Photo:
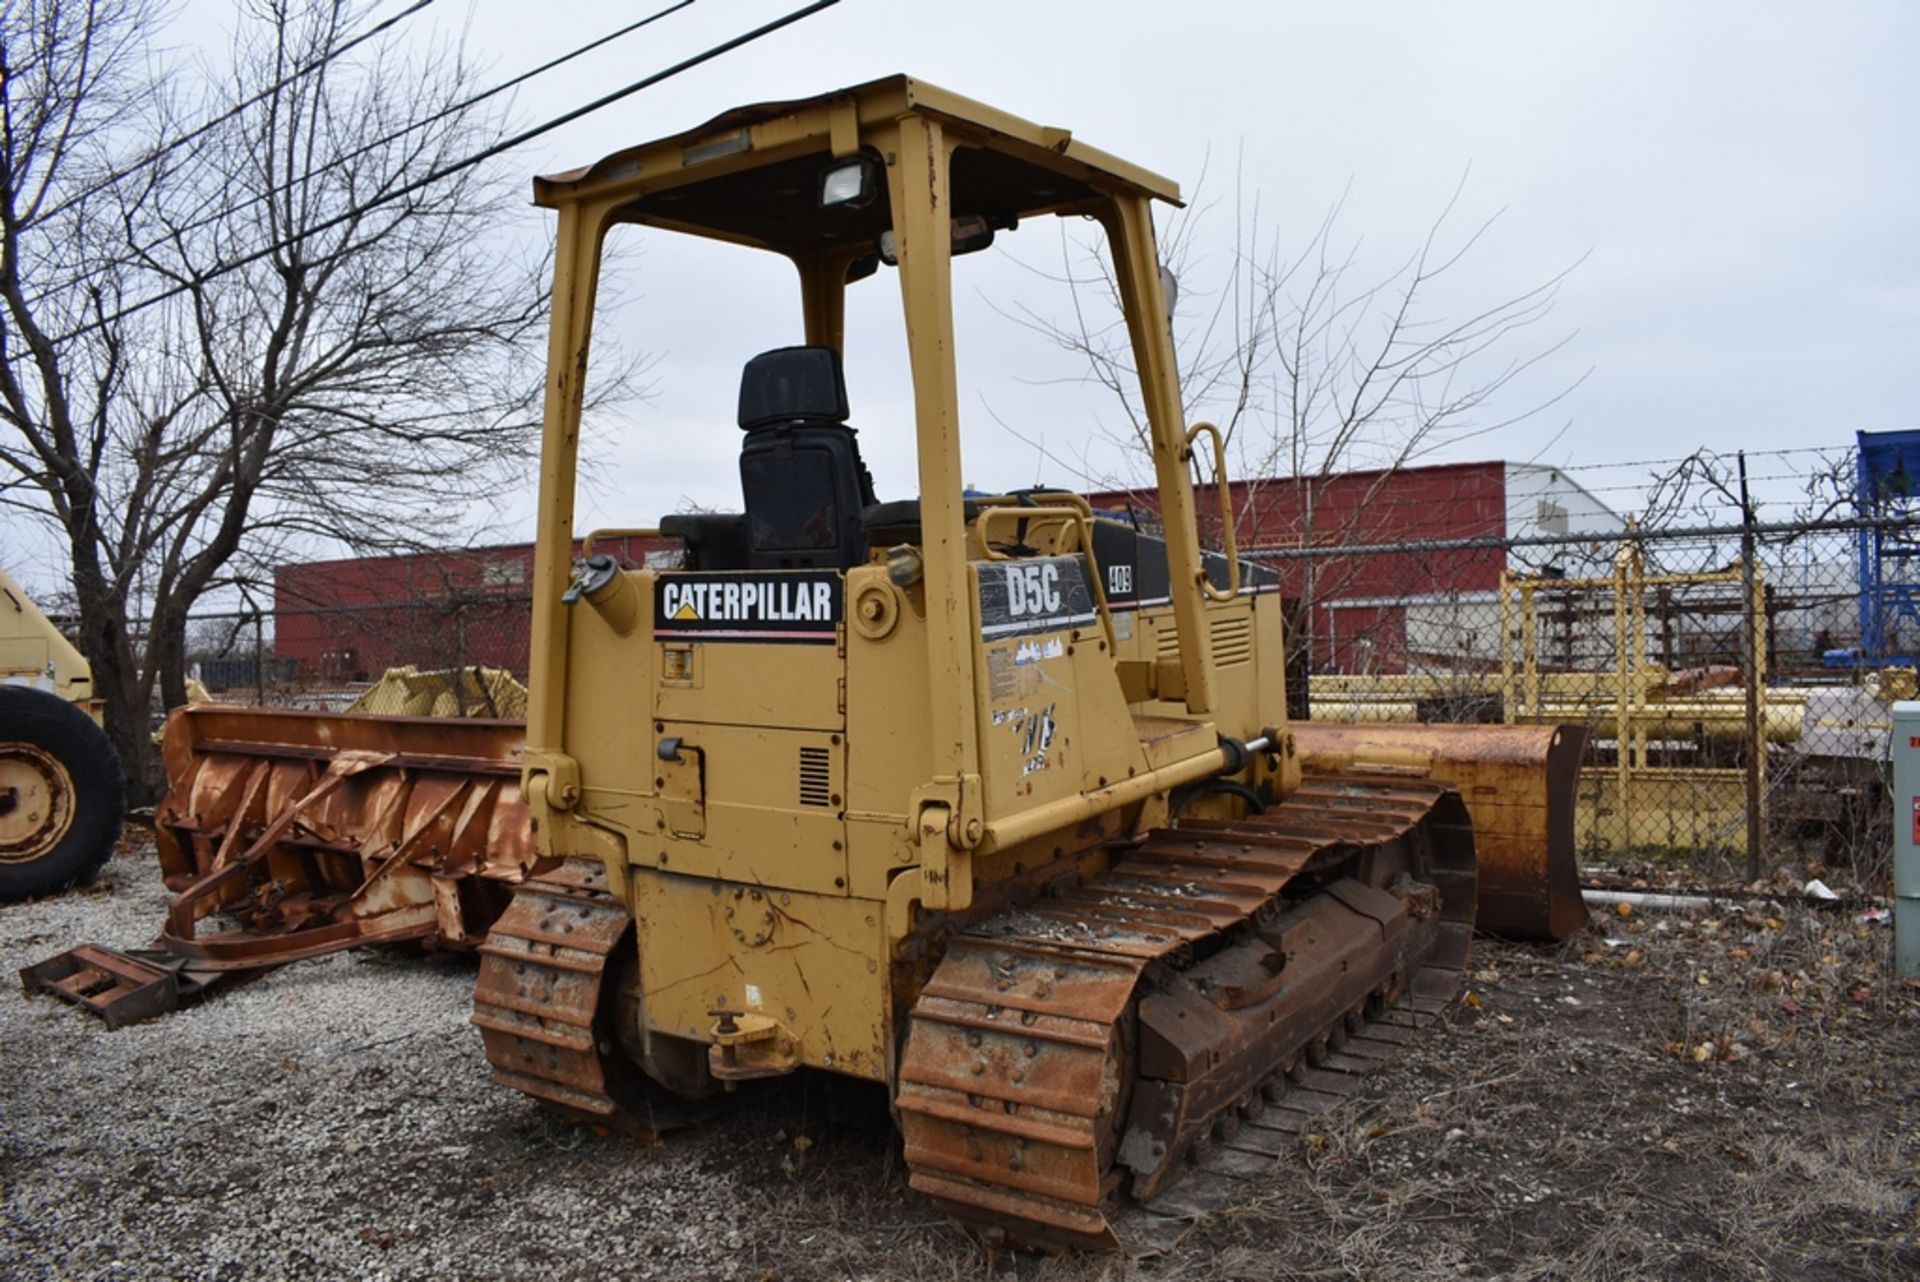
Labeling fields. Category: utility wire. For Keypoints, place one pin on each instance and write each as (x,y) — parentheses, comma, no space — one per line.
(447,170)
(121,175)
(377,143)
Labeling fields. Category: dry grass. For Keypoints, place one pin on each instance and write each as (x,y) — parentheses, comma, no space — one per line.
(1564,1123)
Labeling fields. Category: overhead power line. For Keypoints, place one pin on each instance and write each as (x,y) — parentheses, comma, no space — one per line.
(451,168)
(412,127)
(204,127)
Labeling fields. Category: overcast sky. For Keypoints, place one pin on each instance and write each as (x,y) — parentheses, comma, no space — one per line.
(1741,179)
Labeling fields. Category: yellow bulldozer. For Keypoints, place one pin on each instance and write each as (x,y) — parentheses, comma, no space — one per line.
(986,798)
(992,800)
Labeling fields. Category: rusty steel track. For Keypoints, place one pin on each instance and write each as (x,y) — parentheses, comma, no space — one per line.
(546,1004)
(537,1000)
(1101,1066)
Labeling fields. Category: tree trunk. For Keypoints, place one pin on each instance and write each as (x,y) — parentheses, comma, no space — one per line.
(105,642)
(167,655)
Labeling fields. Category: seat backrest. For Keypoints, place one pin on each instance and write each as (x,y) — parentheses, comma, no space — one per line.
(800,471)
(713,540)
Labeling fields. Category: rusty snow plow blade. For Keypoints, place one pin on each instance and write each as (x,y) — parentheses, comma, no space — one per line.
(1519,783)
(312,833)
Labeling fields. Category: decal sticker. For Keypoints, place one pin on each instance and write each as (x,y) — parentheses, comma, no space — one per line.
(1044,594)
(1033,731)
(1035,651)
(771,606)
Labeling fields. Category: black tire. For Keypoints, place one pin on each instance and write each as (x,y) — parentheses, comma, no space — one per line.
(62,796)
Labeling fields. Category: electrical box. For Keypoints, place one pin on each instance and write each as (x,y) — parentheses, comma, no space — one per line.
(1906,838)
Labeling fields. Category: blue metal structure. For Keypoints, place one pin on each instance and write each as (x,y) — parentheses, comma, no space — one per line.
(1887,490)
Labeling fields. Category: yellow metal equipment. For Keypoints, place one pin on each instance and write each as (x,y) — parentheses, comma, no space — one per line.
(1657,708)
(986,799)
(444,692)
(979,797)
(61,792)
(1637,800)
(1518,783)
(1668,767)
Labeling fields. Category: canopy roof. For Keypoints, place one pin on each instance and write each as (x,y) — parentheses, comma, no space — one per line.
(752,174)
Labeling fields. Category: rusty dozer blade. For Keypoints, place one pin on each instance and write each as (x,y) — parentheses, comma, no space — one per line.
(1520,784)
(315,833)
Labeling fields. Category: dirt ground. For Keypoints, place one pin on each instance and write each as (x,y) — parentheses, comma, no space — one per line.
(1722,1095)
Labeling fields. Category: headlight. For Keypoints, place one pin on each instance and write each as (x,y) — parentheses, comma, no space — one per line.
(850,184)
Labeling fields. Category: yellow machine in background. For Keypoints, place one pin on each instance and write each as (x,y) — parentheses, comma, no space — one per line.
(61,792)
(444,692)
(985,799)
(1639,800)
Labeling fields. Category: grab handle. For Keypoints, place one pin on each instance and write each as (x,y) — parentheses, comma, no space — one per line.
(1232,590)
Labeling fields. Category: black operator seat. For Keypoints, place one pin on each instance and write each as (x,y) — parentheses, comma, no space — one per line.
(805,487)
(714,540)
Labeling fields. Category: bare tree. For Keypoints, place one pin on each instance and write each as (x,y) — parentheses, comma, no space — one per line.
(1704,489)
(367,378)
(1308,366)
(338,354)
(1701,489)
(74,69)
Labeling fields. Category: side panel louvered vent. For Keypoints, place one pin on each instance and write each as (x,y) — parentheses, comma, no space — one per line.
(1232,640)
(816,785)
(1166,643)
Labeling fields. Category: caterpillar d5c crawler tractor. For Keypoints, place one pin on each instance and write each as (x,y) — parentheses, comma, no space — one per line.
(988,799)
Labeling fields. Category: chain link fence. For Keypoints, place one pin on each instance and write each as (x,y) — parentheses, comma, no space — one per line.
(1652,642)
(1734,682)
(460,654)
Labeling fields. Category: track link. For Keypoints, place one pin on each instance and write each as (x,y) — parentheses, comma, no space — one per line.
(538,995)
(1165,1029)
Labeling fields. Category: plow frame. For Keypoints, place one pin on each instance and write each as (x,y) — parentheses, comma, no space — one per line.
(314,833)
(319,832)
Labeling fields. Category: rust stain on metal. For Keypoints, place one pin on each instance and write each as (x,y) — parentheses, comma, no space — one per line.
(312,833)
(541,972)
(1075,1046)
(1520,785)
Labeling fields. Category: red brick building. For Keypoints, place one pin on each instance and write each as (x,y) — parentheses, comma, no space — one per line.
(352,619)
(1388,611)
(1378,612)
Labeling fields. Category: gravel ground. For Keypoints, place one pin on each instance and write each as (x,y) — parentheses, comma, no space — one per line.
(1721,1097)
(333,1119)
